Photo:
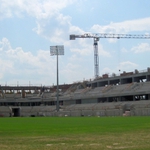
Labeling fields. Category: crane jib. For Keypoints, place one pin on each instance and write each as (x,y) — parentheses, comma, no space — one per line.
(118,36)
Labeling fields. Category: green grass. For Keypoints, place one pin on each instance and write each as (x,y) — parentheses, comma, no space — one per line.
(68,133)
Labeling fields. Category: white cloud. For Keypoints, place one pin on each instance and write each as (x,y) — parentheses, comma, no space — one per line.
(102,52)
(6,67)
(20,66)
(4,44)
(56,29)
(76,72)
(143,47)
(75,29)
(124,50)
(36,8)
(106,70)
(85,47)
(127,66)
(123,27)
(81,46)
(81,51)
(23,64)
(51,23)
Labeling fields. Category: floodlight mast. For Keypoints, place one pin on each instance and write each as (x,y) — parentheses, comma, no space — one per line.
(96,58)
(57,50)
(97,37)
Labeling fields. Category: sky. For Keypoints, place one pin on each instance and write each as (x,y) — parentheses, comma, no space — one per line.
(29,27)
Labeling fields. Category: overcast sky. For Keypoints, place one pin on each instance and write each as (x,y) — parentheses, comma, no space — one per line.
(29,27)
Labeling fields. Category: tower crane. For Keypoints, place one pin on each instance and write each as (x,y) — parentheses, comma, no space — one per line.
(97,37)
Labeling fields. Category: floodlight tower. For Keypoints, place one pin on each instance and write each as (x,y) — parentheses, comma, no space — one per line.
(96,57)
(57,50)
(97,37)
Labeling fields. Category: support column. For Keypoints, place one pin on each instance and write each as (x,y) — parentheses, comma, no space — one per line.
(96,58)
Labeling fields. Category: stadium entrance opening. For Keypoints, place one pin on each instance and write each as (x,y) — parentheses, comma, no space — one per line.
(16,112)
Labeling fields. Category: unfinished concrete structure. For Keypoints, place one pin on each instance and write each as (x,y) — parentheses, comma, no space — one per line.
(126,94)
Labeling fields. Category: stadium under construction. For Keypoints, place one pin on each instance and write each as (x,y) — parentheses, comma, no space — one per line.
(126,94)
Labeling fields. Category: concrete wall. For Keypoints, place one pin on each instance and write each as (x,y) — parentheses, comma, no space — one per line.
(140,112)
(5,111)
(85,110)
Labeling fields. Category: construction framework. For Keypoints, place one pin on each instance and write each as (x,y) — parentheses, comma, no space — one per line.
(97,37)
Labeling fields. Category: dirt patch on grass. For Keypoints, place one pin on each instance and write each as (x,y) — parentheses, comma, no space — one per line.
(3,146)
(49,144)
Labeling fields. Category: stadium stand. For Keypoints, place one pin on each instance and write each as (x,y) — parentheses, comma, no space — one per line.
(124,95)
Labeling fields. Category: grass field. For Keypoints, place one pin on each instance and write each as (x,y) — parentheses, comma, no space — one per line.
(79,133)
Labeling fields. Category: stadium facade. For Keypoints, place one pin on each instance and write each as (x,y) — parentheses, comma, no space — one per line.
(126,94)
